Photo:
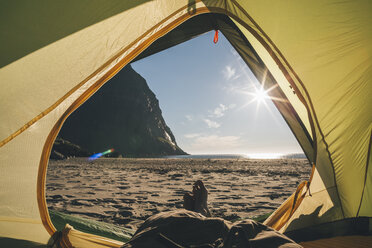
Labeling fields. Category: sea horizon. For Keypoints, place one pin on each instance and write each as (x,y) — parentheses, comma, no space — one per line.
(258,156)
(236,156)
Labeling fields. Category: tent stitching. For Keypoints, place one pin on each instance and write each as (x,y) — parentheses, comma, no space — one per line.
(365,174)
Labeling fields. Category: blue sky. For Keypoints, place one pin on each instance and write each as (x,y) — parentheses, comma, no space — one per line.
(202,89)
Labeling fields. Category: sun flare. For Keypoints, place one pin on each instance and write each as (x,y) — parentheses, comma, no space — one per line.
(260,95)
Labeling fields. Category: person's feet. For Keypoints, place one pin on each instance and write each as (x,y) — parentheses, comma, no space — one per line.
(197,201)
(188,202)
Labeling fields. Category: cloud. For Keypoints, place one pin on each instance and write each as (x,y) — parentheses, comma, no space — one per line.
(189,117)
(230,73)
(192,135)
(220,110)
(212,124)
(215,143)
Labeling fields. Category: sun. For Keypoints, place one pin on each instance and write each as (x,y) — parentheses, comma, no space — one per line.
(260,95)
(259,92)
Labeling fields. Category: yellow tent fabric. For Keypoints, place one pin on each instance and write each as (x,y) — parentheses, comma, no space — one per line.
(55,55)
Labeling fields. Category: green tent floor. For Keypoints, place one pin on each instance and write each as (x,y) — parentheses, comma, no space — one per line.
(107,230)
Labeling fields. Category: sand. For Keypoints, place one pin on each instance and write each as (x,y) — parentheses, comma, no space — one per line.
(127,191)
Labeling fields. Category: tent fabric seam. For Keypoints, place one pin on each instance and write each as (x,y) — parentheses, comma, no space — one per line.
(333,166)
(366,172)
(320,191)
(23,220)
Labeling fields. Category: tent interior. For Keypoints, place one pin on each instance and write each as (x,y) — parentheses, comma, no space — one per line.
(330,120)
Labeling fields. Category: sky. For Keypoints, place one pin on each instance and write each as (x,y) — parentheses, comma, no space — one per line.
(207,96)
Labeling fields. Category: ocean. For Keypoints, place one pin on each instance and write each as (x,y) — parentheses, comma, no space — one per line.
(237,156)
(207,156)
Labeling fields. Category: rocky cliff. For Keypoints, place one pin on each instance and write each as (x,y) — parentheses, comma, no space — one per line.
(63,149)
(125,115)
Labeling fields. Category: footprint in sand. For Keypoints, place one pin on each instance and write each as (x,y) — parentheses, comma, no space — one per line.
(123,187)
(141,197)
(78,202)
(222,197)
(125,213)
(127,200)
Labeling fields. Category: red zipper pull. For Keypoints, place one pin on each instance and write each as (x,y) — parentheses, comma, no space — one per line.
(215,39)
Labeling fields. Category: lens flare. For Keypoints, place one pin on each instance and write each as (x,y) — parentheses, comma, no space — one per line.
(98,155)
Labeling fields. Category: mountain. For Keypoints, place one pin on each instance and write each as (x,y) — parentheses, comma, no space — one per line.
(124,115)
(63,149)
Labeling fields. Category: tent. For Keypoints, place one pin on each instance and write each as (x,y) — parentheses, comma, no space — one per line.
(317,55)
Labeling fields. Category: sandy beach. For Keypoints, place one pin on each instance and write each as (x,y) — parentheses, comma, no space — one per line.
(127,191)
